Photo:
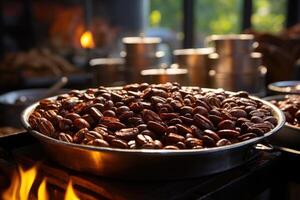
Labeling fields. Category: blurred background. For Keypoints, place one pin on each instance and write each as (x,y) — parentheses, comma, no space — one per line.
(43,40)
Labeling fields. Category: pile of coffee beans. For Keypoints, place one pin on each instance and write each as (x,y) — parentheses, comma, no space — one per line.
(143,116)
(291,109)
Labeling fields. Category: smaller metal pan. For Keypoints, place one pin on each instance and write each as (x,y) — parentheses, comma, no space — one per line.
(288,136)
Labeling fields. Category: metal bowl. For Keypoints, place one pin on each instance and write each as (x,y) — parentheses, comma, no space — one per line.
(285,87)
(9,109)
(289,135)
(146,163)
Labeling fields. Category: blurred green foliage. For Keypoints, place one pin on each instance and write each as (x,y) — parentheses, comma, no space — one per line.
(219,16)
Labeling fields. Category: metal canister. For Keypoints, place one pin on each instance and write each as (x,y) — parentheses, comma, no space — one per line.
(107,71)
(157,76)
(232,44)
(197,62)
(140,53)
(245,64)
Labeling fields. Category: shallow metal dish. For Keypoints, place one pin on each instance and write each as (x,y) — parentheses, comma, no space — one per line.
(145,163)
(285,87)
(289,135)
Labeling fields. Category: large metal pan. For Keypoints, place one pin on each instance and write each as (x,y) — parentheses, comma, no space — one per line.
(149,164)
(289,135)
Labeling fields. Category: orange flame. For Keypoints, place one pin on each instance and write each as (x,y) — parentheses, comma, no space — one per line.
(70,194)
(42,191)
(22,182)
(20,187)
(86,40)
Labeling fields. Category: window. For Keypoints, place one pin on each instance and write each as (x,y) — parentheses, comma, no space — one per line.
(268,15)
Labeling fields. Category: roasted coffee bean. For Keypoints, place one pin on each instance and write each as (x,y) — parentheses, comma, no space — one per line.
(186,109)
(168,116)
(91,135)
(119,143)
(122,109)
(247,136)
(241,121)
(45,127)
(65,137)
(208,141)
(89,119)
(156,127)
(114,126)
(109,113)
(127,133)
(186,120)
(142,127)
(223,142)
(200,110)
(182,130)
(99,143)
(256,119)
(72,116)
(149,133)
(64,124)
(95,113)
(157,144)
(202,122)
(193,142)
(238,113)
(171,147)
(215,119)
(196,132)
(175,121)
(180,145)
(126,115)
(212,134)
(149,115)
(226,124)
(143,139)
(174,138)
(81,123)
(228,133)
(79,135)
(271,119)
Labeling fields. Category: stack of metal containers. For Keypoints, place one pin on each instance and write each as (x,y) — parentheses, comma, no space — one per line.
(235,65)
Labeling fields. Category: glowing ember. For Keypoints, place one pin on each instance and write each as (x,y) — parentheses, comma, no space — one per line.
(86,40)
(42,192)
(70,194)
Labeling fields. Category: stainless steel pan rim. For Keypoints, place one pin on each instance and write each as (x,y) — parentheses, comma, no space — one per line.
(160,152)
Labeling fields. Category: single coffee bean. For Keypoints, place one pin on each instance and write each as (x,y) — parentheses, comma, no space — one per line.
(174,138)
(212,134)
(119,143)
(223,142)
(65,137)
(171,147)
(127,133)
(225,133)
(79,135)
(226,124)
(81,123)
(202,122)
(156,127)
(182,130)
(46,127)
(143,139)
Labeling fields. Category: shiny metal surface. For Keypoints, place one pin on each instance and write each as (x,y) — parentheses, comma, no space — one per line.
(107,71)
(285,87)
(145,163)
(288,136)
(140,53)
(165,75)
(197,62)
(242,64)
(232,44)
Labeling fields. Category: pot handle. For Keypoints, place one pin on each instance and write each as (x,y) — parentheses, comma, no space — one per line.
(264,147)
